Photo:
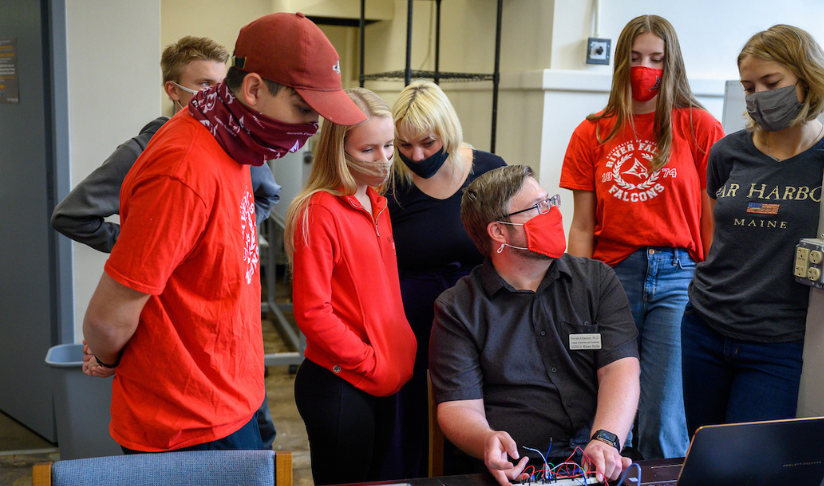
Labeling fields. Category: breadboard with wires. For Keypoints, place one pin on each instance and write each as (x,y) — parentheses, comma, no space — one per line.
(580,481)
(567,473)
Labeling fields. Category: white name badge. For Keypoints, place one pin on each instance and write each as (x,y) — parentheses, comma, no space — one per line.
(585,341)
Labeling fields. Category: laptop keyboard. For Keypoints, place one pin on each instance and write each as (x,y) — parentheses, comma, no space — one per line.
(633,482)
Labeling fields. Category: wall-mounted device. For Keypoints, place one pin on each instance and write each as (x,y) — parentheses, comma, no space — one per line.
(598,50)
(809,262)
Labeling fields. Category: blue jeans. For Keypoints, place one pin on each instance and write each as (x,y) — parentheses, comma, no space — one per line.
(265,424)
(729,381)
(247,438)
(655,280)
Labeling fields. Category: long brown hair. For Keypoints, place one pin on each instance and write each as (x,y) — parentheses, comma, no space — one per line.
(674,92)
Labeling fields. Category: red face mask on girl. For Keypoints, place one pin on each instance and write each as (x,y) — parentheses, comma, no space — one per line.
(645,82)
(544,234)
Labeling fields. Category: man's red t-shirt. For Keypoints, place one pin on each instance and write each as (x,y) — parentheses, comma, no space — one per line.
(637,206)
(193,370)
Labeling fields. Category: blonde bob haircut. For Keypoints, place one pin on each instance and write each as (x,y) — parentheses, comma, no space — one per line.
(797,51)
(421,109)
(329,170)
(673,93)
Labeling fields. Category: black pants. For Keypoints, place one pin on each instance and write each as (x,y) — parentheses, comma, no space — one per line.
(408,455)
(349,430)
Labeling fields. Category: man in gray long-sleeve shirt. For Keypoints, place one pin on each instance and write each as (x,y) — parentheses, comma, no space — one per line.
(189,65)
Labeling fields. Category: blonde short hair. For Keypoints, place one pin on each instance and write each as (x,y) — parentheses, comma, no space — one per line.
(798,51)
(487,199)
(423,108)
(177,56)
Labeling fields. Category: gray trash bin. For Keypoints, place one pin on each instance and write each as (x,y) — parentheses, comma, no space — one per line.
(81,405)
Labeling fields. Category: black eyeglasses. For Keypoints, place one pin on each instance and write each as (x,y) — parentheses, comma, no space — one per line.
(541,206)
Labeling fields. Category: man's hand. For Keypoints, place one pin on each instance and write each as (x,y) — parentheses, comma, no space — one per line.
(111,319)
(90,365)
(496,448)
(606,460)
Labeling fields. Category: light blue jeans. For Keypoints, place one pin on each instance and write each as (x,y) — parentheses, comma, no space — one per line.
(656,280)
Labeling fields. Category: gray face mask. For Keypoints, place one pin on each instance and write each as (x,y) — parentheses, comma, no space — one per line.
(774,109)
(188,90)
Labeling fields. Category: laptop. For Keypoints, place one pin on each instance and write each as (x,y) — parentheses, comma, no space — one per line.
(774,453)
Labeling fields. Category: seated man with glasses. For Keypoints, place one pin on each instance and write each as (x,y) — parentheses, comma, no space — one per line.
(535,349)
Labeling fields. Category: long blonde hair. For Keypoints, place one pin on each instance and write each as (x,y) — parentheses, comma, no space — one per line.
(798,51)
(329,170)
(423,108)
(674,92)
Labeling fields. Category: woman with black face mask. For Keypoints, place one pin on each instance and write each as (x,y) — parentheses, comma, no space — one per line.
(743,330)
(637,173)
(432,168)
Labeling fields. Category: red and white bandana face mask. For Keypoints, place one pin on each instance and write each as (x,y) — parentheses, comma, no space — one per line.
(645,82)
(248,137)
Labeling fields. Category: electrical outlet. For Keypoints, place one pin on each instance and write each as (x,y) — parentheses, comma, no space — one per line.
(809,262)
(598,51)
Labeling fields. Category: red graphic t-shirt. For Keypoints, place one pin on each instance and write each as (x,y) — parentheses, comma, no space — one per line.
(192,372)
(637,206)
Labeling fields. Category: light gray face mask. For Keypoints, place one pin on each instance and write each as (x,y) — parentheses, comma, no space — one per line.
(188,90)
(774,109)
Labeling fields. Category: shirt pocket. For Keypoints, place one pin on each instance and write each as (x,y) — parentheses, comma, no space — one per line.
(581,336)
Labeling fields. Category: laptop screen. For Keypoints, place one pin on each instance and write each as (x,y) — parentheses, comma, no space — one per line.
(780,452)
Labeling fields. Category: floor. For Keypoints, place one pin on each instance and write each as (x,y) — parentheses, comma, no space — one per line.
(21,448)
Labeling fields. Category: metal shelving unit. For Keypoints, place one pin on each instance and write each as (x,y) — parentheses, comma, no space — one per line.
(273,234)
(437,75)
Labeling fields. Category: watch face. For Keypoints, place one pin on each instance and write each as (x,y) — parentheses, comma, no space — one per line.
(608,437)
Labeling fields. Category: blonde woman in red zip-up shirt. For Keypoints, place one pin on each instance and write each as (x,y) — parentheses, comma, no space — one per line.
(360,349)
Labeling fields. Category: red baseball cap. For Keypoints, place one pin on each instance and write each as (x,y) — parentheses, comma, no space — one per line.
(291,50)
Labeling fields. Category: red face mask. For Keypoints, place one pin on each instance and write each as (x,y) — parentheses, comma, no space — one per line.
(544,234)
(645,82)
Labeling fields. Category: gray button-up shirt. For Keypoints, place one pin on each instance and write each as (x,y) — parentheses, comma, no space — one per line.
(512,348)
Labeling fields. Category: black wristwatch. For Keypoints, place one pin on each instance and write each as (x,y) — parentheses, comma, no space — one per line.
(607,438)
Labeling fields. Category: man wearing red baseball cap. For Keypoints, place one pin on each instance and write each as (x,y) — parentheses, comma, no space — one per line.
(176,315)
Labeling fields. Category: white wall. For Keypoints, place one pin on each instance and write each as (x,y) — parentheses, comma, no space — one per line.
(711,32)
(113,48)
